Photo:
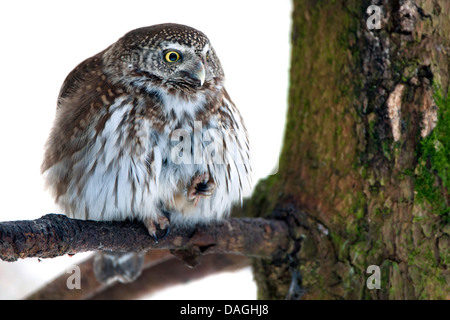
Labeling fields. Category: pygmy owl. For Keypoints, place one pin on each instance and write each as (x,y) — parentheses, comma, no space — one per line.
(146,130)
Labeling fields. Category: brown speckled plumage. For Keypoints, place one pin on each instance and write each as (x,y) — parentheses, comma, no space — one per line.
(114,152)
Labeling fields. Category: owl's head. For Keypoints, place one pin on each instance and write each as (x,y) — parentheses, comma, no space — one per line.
(172,55)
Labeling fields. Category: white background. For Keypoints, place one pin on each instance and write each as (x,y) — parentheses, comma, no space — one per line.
(42,41)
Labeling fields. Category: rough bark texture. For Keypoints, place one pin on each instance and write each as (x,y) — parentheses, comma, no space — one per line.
(365,167)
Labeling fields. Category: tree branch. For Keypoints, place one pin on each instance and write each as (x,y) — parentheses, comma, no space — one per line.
(90,286)
(55,235)
(170,273)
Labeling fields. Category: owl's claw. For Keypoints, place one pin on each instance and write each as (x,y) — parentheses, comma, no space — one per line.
(161,223)
(165,233)
(201,186)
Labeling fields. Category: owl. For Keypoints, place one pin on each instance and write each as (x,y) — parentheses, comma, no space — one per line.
(145,130)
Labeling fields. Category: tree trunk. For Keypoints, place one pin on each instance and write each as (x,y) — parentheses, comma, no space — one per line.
(365,166)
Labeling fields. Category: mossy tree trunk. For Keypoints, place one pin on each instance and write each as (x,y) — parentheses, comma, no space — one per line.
(365,166)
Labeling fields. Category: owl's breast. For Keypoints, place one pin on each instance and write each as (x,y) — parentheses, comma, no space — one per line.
(141,162)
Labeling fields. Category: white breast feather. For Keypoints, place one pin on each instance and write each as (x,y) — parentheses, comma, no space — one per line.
(106,192)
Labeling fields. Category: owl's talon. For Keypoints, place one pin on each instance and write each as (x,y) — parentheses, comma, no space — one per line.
(165,233)
(155,237)
(162,223)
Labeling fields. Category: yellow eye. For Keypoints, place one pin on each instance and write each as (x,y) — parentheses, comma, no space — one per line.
(172,56)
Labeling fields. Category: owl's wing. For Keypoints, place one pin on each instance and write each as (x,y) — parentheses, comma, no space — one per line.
(85,71)
(74,101)
(236,142)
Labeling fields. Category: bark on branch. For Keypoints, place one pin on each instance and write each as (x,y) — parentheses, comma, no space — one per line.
(55,235)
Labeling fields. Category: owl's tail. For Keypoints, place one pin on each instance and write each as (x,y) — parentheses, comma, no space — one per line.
(111,266)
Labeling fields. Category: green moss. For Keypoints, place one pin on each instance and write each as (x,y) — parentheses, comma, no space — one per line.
(432,181)
(432,185)
(396,286)
(263,199)
(312,89)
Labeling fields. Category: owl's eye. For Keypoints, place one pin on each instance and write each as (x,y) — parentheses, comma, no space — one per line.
(172,56)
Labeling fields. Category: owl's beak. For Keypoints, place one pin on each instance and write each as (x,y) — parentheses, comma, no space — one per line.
(197,73)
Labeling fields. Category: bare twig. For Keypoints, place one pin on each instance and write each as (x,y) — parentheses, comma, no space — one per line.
(55,235)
